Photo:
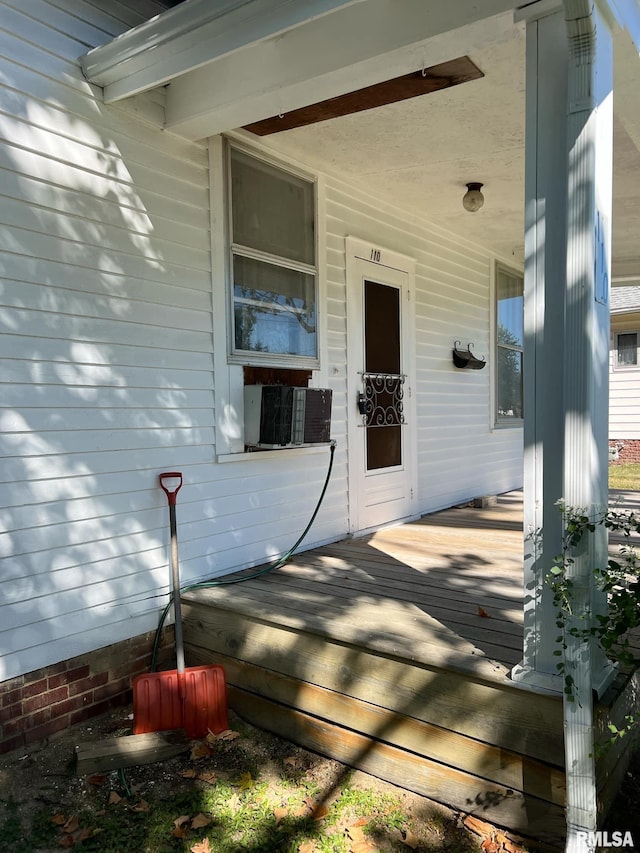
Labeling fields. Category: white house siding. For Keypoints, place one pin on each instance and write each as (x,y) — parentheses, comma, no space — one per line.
(624,386)
(106,318)
(459,454)
(105,321)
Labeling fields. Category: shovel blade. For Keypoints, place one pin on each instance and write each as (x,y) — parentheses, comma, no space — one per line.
(157,702)
(195,700)
(205,701)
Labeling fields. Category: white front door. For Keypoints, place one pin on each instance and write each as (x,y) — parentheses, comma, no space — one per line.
(382,472)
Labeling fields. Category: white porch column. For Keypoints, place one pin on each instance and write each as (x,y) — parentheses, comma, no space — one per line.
(568,214)
(586,378)
(544,289)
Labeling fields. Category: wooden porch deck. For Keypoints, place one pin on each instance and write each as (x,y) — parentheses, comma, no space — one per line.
(392,653)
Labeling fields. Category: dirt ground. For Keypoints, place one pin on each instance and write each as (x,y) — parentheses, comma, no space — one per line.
(43,780)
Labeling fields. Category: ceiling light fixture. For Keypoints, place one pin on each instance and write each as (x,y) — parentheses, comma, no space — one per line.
(473,198)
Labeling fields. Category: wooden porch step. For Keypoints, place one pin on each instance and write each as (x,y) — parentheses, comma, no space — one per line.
(480,745)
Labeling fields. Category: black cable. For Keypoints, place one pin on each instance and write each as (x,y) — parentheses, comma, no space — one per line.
(271,567)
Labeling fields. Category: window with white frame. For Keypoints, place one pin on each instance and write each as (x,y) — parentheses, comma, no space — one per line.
(509,345)
(626,354)
(273,262)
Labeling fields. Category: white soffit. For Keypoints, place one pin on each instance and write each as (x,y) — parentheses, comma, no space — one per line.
(268,40)
(189,35)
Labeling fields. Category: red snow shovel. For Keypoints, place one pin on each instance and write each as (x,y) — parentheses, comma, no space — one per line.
(193,699)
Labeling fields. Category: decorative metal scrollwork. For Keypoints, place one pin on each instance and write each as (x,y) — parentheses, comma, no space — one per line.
(383,399)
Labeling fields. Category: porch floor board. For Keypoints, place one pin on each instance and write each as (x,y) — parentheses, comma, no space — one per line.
(392,653)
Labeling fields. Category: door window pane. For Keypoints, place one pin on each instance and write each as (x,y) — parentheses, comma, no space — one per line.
(383,384)
(382,328)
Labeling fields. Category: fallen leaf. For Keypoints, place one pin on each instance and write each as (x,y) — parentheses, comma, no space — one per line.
(512,847)
(490,846)
(356,834)
(66,841)
(114,798)
(199,821)
(363,847)
(142,806)
(200,750)
(280,814)
(482,612)
(201,847)
(209,777)
(228,734)
(181,821)
(71,825)
(245,782)
(179,832)
(320,812)
(411,840)
(307,847)
(82,835)
(189,774)
(59,819)
(480,827)
(291,761)
(97,779)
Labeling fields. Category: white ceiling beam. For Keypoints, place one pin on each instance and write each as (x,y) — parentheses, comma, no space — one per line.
(354,47)
(189,35)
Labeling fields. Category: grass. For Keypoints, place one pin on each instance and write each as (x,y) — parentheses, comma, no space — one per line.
(251,793)
(227,818)
(625,476)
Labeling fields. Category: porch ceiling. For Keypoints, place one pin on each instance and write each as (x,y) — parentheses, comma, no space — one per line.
(419,154)
(416,154)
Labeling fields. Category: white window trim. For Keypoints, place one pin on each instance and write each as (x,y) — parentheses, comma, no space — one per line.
(626,367)
(228,390)
(496,422)
(246,357)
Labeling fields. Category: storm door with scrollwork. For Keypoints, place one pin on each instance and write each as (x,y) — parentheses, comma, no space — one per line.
(381,417)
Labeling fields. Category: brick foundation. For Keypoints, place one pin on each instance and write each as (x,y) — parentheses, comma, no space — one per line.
(35,706)
(628,450)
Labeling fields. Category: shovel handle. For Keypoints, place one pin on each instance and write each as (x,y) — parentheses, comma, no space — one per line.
(171,491)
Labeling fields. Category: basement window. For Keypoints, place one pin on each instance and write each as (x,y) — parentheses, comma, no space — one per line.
(274,299)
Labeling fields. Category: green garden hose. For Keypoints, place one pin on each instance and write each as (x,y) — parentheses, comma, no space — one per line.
(225,581)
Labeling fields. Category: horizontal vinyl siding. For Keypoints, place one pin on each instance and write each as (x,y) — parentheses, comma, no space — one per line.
(107,373)
(105,321)
(624,385)
(459,455)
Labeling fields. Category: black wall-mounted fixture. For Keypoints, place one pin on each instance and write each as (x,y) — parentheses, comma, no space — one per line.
(463,358)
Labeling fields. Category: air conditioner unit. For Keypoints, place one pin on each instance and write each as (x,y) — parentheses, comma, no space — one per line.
(286,416)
